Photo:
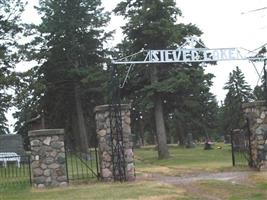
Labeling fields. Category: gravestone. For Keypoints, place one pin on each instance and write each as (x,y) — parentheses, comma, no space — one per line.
(189,141)
(11,143)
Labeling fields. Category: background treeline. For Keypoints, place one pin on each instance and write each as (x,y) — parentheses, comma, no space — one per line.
(72,73)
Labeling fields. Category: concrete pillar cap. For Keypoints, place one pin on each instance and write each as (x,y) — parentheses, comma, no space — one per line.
(103,108)
(45,132)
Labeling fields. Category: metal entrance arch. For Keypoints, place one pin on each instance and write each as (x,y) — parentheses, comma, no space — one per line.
(186,53)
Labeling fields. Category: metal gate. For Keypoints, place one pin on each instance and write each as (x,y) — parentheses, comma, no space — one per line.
(82,166)
(241,146)
(14,169)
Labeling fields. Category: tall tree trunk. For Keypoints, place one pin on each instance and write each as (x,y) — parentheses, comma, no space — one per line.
(81,121)
(163,151)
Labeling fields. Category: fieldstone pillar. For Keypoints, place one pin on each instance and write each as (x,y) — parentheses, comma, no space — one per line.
(257,115)
(103,130)
(48,158)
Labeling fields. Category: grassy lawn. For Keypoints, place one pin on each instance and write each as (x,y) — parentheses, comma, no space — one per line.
(99,191)
(182,161)
(12,174)
(255,189)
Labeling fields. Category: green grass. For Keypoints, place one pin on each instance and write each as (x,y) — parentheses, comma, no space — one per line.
(230,191)
(100,191)
(182,161)
(11,174)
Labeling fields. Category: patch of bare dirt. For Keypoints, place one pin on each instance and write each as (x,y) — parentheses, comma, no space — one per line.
(187,181)
(233,177)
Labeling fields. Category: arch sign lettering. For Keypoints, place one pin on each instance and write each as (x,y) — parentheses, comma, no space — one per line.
(187,53)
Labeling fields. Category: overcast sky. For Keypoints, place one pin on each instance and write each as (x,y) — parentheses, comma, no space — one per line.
(225,23)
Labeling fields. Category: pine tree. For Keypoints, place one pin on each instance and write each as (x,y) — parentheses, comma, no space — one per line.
(27,99)
(190,104)
(239,92)
(10,27)
(152,25)
(260,91)
(70,50)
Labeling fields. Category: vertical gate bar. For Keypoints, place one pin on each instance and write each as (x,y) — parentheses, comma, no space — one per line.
(8,171)
(14,167)
(71,160)
(97,166)
(66,161)
(5,171)
(91,163)
(12,170)
(21,176)
(81,163)
(232,148)
(76,165)
(86,167)
(17,170)
(23,166)
(249,143)
(29,167)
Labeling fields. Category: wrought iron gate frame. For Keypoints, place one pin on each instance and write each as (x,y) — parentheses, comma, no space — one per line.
(116,135)
(247,153)
(78,158)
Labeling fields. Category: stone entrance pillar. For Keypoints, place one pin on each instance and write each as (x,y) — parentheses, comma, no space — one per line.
(256,112)
(103,130)
(48,157)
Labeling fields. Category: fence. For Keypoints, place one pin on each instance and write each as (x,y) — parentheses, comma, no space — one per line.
(241,147)
(15,170)
(82,166)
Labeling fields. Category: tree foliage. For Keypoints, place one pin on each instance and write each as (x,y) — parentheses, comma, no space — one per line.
(10,28)
(69,48)
(180,89)
(239,92)
(168,100)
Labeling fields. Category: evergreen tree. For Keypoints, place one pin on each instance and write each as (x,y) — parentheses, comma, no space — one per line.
(152,24)
(190,104)
(259,92)
(239,92)
(70,51)
(10,27)
(29,90)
